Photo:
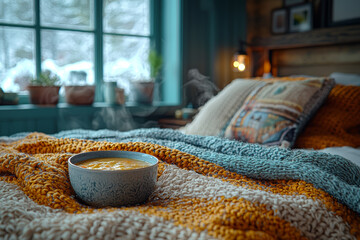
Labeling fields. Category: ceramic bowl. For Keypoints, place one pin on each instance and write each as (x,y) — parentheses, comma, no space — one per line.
(101,188)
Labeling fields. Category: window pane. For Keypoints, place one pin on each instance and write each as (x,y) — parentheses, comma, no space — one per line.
(127,16)
(70,55)
(76,14)
(17,61)
(17,11)
(125,59)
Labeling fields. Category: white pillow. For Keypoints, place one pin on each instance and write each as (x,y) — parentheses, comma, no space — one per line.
(217,112)
(346,78)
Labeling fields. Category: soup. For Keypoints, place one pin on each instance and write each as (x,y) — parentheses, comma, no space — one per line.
(113,163)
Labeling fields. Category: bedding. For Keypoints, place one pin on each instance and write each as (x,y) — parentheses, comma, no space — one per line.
(352,154)
(208,188)
(346,78)
(214,115)
(336,123)
(276,112)
(331,117)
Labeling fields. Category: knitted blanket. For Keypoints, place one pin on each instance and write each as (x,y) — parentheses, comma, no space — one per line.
(207,188)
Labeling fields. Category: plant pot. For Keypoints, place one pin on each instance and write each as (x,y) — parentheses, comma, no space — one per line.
(7,98)
(44,95)
(143,92)
(80,95)
(120,96)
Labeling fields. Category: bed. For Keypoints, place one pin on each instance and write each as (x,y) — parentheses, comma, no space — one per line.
(217,179)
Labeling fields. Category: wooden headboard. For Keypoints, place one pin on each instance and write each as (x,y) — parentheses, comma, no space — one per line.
(317,61)
(319,52)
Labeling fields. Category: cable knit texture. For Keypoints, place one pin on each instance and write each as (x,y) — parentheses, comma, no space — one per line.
(207,188)
(337,122)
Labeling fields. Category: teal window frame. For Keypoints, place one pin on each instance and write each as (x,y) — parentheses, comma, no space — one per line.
(156,12)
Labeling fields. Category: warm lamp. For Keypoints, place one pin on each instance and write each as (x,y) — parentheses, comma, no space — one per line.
(241,59)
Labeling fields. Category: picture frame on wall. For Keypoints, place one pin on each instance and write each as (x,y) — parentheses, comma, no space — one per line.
(343,12)
(279,20)
(288,3)
(301,18)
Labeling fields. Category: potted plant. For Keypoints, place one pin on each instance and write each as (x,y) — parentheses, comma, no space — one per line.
(44,90)
(143,90)
(78,92)
(8,98)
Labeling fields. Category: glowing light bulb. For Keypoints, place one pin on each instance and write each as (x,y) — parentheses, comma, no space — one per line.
(241,67)
(240,62)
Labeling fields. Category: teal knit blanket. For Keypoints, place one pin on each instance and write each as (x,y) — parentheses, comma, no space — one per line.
(334,174)
(331,173)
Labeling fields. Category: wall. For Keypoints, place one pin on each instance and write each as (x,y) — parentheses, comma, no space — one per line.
(317,52)
(259,17)
(211,32)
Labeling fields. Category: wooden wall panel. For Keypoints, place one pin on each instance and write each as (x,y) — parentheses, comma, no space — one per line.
(259,17)
(319,61)
(320,71)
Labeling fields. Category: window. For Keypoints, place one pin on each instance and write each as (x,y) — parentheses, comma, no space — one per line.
(82,41)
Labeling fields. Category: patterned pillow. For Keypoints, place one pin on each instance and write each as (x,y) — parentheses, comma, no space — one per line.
(276,111)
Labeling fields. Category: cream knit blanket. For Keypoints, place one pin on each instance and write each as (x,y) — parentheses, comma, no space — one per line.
(194,198)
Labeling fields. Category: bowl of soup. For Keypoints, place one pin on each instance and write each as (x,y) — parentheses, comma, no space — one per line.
(113,178)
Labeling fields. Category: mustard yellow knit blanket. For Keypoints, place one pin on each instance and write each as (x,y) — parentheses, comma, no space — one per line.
(194,199)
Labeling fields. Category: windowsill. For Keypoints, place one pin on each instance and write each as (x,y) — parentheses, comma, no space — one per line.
(94,105)
(59,106)
(157,109)
(63,116)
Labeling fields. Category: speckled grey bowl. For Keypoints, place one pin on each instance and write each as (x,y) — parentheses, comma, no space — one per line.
(101,188)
